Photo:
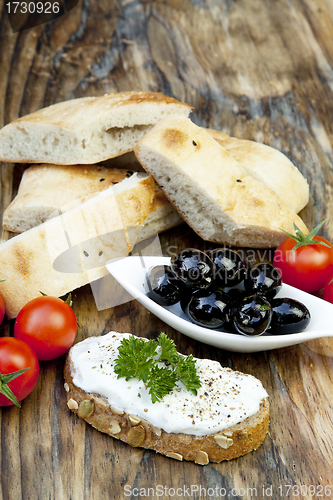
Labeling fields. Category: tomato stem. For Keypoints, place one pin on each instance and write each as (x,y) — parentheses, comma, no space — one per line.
(69,300)
(5,390)
(301,239)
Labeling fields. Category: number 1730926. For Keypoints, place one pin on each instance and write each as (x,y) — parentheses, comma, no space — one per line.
(33,7)
(295,490)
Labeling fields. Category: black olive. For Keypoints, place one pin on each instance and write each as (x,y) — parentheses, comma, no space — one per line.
(288,316)
(194,268)
(235,295)
(229,267)
(186,296)
(252,315)
(164,286)
(264,279)
(208,308)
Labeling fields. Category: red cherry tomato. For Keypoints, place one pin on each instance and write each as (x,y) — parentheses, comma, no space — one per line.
(48,325)
(2,309)
(307,267)
(16,355)
(328,290)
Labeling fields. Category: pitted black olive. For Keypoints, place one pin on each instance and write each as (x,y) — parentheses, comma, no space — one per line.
(288,316)
(208,308)
(229,267)
(264,279)
(194,268)
(164,286)
(252,315)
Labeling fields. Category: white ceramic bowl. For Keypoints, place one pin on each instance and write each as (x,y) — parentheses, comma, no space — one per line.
(130,272)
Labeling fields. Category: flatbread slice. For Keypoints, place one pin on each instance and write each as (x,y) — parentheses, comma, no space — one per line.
(48,190)
(71,250)
(268,166)
(86,130)
(210,188)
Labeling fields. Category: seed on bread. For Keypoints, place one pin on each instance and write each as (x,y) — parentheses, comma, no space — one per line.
(116,411)
(223,441)
(86,408)
(134,420)
(156,430)
(176,456)
(114,427)
(201,458)
(72,404)
(136,436)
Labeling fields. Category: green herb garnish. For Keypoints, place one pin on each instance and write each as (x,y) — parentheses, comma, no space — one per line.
(159,369)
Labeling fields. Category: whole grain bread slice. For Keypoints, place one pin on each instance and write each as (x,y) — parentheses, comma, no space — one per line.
(70,250)
(211,190)
(231,442)
(86,130)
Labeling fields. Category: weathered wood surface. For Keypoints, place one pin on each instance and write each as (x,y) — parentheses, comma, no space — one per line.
(257,69)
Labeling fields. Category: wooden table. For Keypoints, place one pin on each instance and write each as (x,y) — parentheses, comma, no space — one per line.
(256,69)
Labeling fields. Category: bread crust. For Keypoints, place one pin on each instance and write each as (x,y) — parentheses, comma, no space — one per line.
(109,224)
(235,441)
(49,190)
(211,190)
(270,167)
(86,130)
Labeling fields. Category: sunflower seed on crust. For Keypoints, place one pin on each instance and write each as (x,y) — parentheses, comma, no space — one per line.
(201,458)
(223,441)
(114,427)
(176,456)
(134,420)
(72,404)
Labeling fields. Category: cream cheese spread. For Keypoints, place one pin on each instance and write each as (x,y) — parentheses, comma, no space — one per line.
(225,398)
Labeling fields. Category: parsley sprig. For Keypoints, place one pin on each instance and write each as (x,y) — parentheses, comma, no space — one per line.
(157,363)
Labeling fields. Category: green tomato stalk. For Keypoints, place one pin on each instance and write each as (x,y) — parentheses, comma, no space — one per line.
(301,239)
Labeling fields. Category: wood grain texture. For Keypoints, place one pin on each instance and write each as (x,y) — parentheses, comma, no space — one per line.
(255,69)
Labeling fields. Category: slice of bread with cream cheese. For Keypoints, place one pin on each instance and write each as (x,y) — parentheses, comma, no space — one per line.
(227,418)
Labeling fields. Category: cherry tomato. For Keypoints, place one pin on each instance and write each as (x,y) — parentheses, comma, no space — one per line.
(48,325)
(16,355)
(2,309)
(328,290)
(308,266)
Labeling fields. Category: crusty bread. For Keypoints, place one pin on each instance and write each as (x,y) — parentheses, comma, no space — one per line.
(268,166)
(162,216)
(47,190)
(86,130)
(244,435)
(211,190)
(70,250)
